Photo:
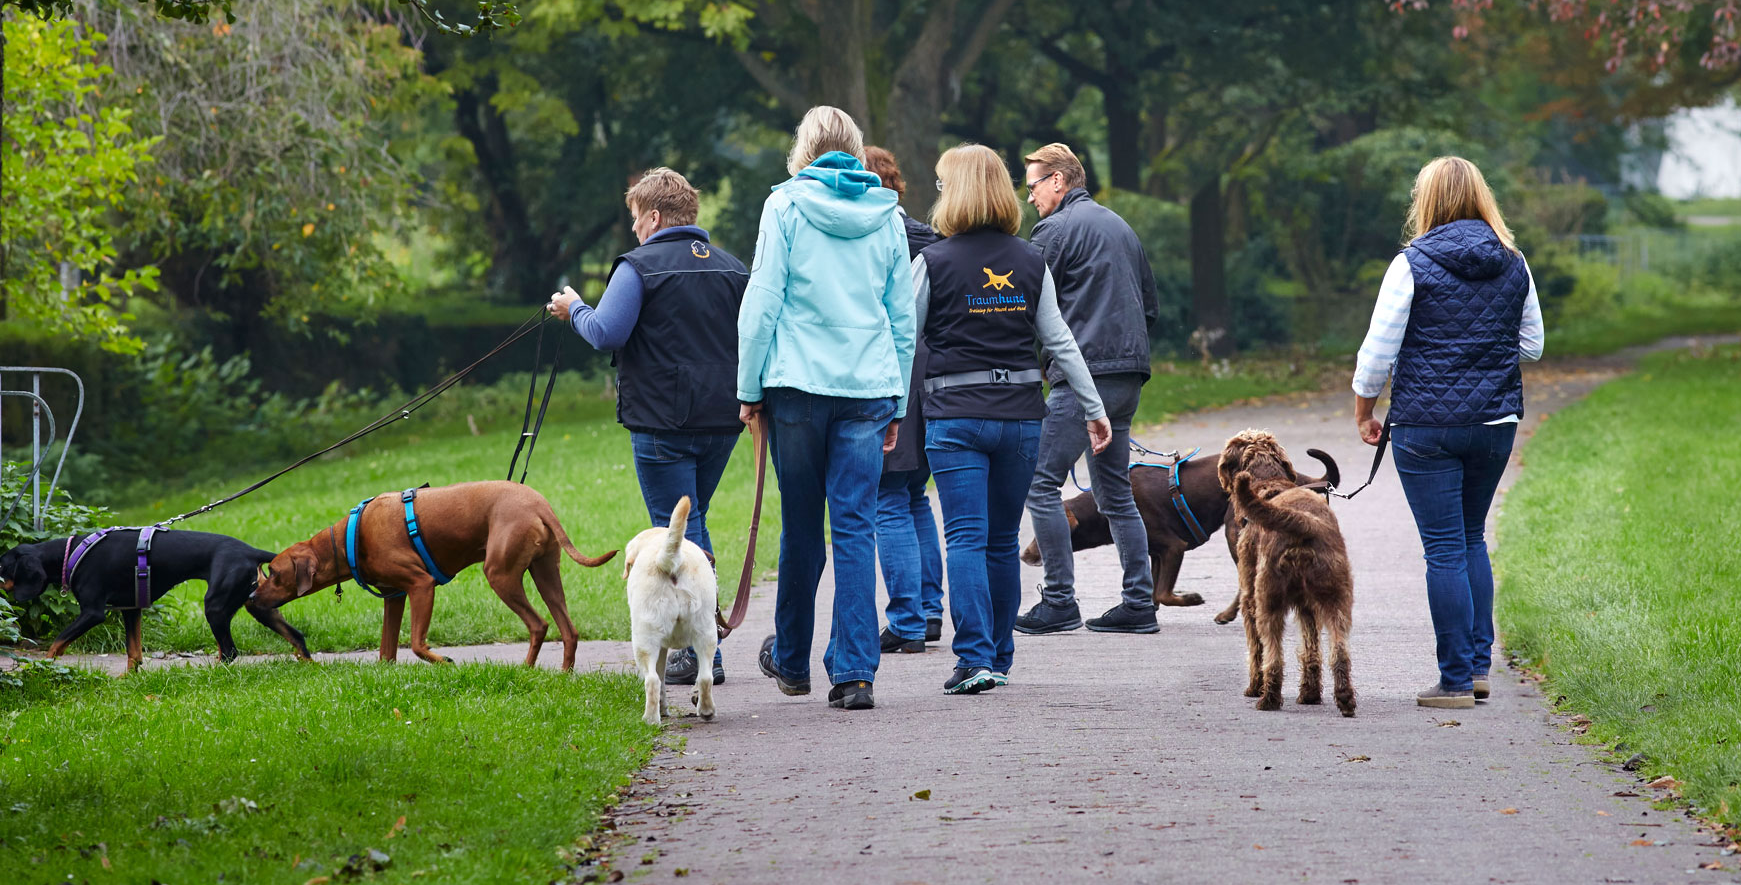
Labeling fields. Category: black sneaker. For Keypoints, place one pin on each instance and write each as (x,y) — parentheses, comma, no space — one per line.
(855,695)
(1045,617)
(969,680)
(765,660)
(680,669)
(893,643)
(1123,618)
(933,629)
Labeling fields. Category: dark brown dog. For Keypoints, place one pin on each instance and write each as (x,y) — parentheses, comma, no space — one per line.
(1169,536)
(1291,557)
(507,526)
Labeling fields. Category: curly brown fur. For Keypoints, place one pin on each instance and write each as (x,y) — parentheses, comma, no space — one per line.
(1291,557)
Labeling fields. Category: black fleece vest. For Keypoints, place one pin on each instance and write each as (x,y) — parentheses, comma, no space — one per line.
(985,293)
(678,370)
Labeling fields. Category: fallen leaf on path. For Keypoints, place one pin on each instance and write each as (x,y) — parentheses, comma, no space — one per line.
(1643,843)
(1507,811)
(1347,758)
(1666,782)
(1713,865)
(1603,813)
(922,794)
(1258,847)
(1448,723)
(1626,794)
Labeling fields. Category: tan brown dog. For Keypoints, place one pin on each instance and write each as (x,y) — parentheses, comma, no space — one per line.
(1291,557)
(1169,537)
(508,527)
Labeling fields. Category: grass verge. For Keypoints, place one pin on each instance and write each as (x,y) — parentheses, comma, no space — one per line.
(283,772)
(1177,387)
(1641,324)
(1619,570)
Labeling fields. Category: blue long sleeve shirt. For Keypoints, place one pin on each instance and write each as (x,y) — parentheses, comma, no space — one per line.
(608,326)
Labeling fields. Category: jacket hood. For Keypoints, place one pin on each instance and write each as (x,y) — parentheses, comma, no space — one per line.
(840,198)
(1468,248)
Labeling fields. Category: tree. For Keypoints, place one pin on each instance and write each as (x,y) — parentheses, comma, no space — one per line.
(1660,34)
(65,164)
(492,15)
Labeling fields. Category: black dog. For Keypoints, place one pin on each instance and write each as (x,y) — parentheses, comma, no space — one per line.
(104,578)
(1169,536)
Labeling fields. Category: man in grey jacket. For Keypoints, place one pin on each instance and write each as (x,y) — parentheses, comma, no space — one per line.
(1106,291)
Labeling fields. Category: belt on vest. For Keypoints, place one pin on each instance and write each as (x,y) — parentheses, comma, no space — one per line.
(983,376)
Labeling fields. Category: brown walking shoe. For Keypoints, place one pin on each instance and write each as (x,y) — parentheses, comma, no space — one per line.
(1445,699)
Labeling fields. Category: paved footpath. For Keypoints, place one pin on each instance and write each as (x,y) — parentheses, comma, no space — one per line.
(1136,758)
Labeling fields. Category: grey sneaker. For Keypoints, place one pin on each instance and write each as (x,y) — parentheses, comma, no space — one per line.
(1123,618)
(1445,699)
(1483,688)
(1045,617)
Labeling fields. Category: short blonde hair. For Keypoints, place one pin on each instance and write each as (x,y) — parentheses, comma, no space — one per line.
(1058,157)
(1452,189)
(667,191)
(976,192)
(880,161)
(823,129)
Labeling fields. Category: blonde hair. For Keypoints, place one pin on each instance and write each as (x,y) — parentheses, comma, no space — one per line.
(1452,189)
(823,129)
(667,191)
(1058,157)
(976,192)
(880,161)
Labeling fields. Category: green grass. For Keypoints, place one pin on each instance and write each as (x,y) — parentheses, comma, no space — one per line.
(1641,324)
(1185,387)
(1619,572)
(583,465)
(281,772)
(1710,206)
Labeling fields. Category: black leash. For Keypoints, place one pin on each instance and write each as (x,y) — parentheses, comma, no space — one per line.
(1377,459)
(403,412)
(529,440)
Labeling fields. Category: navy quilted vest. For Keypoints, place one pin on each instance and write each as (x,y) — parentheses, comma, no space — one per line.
(1459,358)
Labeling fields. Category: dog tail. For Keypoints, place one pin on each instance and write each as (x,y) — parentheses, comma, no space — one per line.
(670,553)
(1332,473)
(1277,519)
(555,526)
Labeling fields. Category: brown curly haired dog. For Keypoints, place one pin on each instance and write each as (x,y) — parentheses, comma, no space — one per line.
(1291,556)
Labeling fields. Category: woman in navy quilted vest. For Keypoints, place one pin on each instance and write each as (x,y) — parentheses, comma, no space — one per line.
(982,298)
(1456,314)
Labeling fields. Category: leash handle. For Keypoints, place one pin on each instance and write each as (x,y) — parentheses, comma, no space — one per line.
(1377,459)
(740,606)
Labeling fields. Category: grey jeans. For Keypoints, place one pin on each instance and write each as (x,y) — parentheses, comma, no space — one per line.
(1063,439)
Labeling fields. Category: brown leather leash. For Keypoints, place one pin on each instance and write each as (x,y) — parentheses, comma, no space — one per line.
(741,605)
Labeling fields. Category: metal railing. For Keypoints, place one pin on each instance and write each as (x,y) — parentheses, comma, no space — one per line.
(39,447)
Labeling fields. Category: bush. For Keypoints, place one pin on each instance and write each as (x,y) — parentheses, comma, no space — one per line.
(1653,210)
(60,517)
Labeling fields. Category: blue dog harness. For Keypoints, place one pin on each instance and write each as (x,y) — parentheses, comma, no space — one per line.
(1198,535)
(408,497)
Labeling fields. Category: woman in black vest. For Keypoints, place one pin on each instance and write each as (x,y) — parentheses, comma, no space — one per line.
(983,298)
(1456,313)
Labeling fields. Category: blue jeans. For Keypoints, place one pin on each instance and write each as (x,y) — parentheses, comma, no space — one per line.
(827,451)
(1449,475)
(907,546)
(983,467)
(672,466)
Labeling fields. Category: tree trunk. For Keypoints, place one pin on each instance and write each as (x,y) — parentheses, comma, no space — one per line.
(516,261)
(915,109)
(1209,305)
(1124,151)
(840,64)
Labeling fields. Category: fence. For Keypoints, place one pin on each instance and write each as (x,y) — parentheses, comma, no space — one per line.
(39,447)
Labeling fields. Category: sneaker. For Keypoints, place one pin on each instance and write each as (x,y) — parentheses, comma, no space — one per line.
(1045,617)
(1124,618)
(1483,688)
(933,629)
(968,680)
(894,643)
(998,679)
(765,660)
(681,668)
(1445,699)
(855,695)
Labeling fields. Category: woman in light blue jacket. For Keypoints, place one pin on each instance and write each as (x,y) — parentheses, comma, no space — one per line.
(825,346)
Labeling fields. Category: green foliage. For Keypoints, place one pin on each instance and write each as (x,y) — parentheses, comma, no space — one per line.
(492,15)
(61,516)
(66,162)
(31,680)
(280,773)
(1618,569)
(1653,210)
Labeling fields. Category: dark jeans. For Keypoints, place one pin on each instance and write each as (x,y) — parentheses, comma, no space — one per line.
(1449,475)
(672,466)
(1063,439)
(983,466)
(827,451)
(907,547)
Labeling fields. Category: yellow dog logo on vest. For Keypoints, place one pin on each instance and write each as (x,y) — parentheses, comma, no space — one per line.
(995,281)
(699,249)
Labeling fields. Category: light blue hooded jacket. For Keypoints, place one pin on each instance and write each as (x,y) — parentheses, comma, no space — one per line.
(829,309)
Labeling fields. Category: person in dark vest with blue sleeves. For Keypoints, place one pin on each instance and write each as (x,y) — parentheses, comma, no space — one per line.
(670,314)
(982,299)
(1456,314)
(907,545)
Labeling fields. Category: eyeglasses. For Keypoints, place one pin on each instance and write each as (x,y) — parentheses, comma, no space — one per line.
(939,184)
(1040,179)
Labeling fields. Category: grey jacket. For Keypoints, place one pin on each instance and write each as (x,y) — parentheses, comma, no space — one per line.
(1106,289)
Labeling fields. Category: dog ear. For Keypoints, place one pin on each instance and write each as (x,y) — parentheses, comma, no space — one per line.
(304,565)
(1231,458)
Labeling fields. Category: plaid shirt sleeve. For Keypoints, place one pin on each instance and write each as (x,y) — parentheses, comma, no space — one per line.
(1390,319)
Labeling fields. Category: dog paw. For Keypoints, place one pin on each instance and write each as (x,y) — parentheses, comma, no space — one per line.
(1224,619)
(1309,699)
(1253,692)
(1269,704)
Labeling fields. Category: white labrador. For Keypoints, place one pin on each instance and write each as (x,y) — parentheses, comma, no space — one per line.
(673,594)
